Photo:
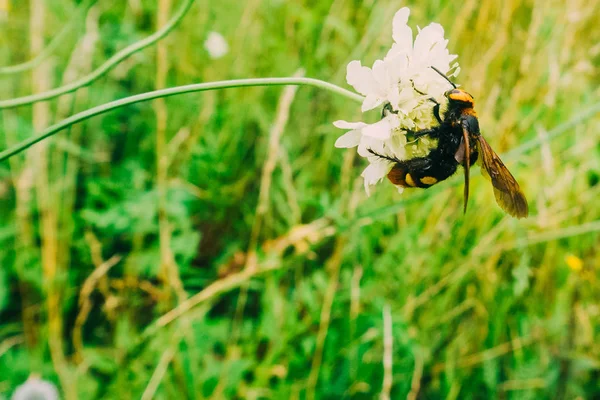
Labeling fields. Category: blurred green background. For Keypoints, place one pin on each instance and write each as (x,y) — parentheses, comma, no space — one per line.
(234,209)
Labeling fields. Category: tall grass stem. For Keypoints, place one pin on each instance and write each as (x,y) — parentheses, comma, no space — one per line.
(104,68)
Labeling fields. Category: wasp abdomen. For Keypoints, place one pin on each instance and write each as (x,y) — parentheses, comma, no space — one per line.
(421,172)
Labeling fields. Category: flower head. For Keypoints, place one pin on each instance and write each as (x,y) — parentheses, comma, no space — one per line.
(35,389)
(216,45)
(404,81)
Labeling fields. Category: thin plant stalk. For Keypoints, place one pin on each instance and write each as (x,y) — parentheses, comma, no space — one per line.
(66,165)
(199,87)
(41,78)
(25,246)
(168,266)
(282,116)
(54,44)
(333,266)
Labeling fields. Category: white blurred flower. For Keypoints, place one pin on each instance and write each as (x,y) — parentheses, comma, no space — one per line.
(397,80)
(216,45)
(35,389)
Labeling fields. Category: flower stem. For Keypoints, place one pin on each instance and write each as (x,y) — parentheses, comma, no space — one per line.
(104,68)
(200,87)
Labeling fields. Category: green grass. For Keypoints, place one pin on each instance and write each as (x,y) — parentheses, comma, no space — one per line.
(138,257)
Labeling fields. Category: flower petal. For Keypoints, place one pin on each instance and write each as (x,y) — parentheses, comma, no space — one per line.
(430,48)
(432,34)
(401,32)
(381,130)
(368,144)
(397,146)
(381,76)
(374,173)
(361,78)
(371,101)
(350,139)
(349,125)
(397,64)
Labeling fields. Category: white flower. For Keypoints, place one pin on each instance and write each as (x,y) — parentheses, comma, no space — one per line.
(381,137)
(35,389)
(405,81)
(216,45)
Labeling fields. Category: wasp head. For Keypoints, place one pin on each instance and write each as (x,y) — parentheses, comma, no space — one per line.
(460,98)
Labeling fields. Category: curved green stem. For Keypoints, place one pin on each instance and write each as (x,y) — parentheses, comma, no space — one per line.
(53,45)
(200,87)
(82,116)
(104,68)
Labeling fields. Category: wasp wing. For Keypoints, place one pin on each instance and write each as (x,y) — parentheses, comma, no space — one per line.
(463,156)
(506,189)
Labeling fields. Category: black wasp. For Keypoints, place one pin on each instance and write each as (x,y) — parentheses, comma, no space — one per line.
(459,142)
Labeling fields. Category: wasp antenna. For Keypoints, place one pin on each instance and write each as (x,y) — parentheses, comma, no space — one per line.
(383,156)
(443,75)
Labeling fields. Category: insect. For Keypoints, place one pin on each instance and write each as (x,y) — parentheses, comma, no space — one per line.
(459,143)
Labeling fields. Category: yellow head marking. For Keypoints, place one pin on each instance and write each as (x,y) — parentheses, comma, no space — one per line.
(460,95)
(428,180)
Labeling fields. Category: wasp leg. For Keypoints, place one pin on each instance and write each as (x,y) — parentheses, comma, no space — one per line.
(431,132)
(436,111)
(436,108)
(387,110)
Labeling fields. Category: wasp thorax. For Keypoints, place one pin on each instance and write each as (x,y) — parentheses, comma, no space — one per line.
(460,96)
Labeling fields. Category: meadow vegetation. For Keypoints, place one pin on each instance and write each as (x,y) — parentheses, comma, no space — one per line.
(217,244)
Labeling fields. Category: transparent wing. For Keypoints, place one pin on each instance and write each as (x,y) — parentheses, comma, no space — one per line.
(506,189)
